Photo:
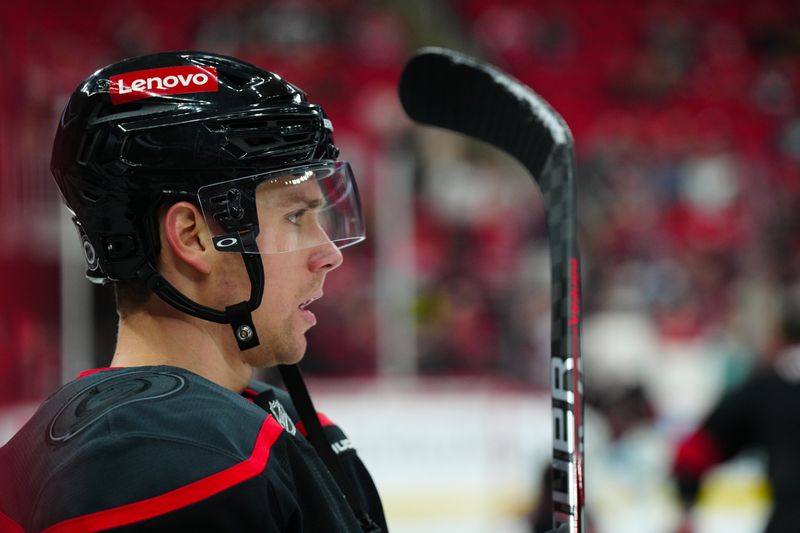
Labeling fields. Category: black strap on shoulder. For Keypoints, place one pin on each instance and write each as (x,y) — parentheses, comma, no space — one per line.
(296,387)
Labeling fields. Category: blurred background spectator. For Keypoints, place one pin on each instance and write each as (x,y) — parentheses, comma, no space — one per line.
(687,123)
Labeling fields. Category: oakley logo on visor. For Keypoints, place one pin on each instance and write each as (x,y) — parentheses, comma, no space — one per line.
(162,81)
(228,243)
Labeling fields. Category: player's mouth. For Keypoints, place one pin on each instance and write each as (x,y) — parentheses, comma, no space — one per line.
(307,315)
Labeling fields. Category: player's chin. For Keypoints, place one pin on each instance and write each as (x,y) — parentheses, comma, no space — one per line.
(277,352)
(295,352)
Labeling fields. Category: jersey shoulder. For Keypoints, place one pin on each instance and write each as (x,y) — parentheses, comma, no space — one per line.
(119,438)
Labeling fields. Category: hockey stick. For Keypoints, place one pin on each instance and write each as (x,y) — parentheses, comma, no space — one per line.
(449,90)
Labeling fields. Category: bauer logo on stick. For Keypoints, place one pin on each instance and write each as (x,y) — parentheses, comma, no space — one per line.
(162,81)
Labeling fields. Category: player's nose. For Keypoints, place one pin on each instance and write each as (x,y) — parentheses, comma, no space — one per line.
(325,257)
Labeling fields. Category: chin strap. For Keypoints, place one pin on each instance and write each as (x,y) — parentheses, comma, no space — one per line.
(239,316)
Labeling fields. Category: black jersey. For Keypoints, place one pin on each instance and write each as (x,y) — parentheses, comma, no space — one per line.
(759,415)
(162,449)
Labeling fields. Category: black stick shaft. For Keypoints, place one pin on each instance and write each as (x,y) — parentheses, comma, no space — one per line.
(566,369)
(449,90)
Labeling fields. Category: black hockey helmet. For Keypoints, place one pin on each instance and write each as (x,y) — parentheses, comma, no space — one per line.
(200,127)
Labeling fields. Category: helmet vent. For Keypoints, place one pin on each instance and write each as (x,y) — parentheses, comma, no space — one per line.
(121,109)
(228,71)
(87,146)
(282,125)
(258,136)
(259,145)
(232,79)
(88,196)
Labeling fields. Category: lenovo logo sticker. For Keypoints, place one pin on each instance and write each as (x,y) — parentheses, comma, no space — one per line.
(162,81)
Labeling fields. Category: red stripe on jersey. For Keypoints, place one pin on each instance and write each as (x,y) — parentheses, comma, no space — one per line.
(183,496)
(9,526)
(96,370)
(248,394)
(324,420)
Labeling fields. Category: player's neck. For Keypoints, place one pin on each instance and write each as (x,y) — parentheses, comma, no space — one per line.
(173,339)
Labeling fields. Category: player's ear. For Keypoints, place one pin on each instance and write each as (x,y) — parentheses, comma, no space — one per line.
(185,232)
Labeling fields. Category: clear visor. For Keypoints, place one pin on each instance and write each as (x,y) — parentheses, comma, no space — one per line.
(286,210)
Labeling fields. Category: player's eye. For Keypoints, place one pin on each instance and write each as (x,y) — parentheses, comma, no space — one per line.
(296,216)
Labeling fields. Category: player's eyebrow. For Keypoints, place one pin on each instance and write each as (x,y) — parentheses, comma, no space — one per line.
(298,198)
(313,204)
(286,191)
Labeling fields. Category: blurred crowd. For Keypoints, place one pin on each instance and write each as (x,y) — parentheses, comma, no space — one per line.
(686,117)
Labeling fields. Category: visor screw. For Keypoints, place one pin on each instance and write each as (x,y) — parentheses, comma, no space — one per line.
(244,333)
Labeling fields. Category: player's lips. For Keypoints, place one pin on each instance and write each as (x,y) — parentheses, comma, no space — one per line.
(312,298)
(308,315)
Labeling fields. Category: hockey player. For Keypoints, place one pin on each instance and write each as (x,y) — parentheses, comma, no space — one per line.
(758,415)
(209,191)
